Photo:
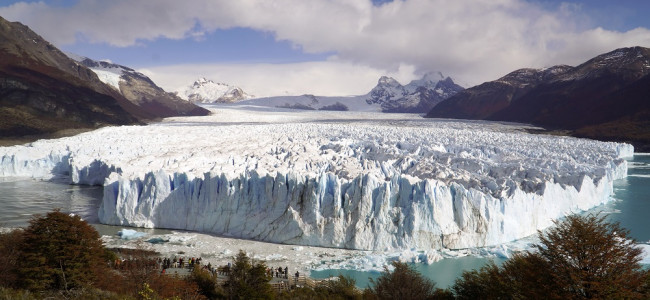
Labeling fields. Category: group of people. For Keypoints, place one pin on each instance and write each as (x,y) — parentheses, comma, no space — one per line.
(166,263)
(180,262)
(280,273)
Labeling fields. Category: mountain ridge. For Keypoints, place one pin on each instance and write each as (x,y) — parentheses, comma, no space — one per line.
(579,99)
(390,96)
(140,89)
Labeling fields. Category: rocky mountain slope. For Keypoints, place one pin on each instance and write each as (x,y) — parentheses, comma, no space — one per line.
(604,98)
(207,91)
(484,100)
(141,90)
(419,96)
(43,91)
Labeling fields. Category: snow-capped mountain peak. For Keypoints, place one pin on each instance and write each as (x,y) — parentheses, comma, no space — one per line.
(204,81)
(387,89)
(204,90)
(428,80)
(417,96)
(388,81)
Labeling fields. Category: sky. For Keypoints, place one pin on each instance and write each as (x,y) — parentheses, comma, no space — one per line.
(333,47)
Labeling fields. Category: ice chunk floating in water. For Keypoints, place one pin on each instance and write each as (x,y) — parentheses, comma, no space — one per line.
(348,180)
(130,234)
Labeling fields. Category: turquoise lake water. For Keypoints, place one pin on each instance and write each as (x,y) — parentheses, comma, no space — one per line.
(632,208)
(20,199)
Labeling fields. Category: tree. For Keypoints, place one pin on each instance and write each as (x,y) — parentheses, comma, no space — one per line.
(403,283)
(590,258)
(517,278)
(581,257)
(60,252)
(485,283)
(248,280)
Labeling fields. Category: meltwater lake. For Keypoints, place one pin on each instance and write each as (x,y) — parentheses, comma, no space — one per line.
(20,198)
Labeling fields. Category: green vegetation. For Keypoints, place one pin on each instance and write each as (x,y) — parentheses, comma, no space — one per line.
(61,256)
(207,284)
(248,280)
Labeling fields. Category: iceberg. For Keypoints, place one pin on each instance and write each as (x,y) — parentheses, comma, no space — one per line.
(130,234)
(346,180)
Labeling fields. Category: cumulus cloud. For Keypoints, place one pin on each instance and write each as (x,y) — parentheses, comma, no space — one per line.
(474,41)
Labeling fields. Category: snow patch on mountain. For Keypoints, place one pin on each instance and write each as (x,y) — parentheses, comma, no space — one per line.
(111,77)
(207,91)
(334,179)
(108,72)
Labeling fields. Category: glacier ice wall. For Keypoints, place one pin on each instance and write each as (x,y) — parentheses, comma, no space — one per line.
(355,183)
(363,213)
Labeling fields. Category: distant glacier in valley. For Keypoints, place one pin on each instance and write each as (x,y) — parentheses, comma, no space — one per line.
(355,180)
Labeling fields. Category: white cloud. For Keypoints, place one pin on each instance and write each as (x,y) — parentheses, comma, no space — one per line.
(329,78)
(473,41)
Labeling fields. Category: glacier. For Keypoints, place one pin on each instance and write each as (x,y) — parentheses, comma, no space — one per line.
(354,180)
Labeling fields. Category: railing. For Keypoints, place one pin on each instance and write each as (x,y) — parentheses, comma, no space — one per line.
(303,281)
(280,286)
